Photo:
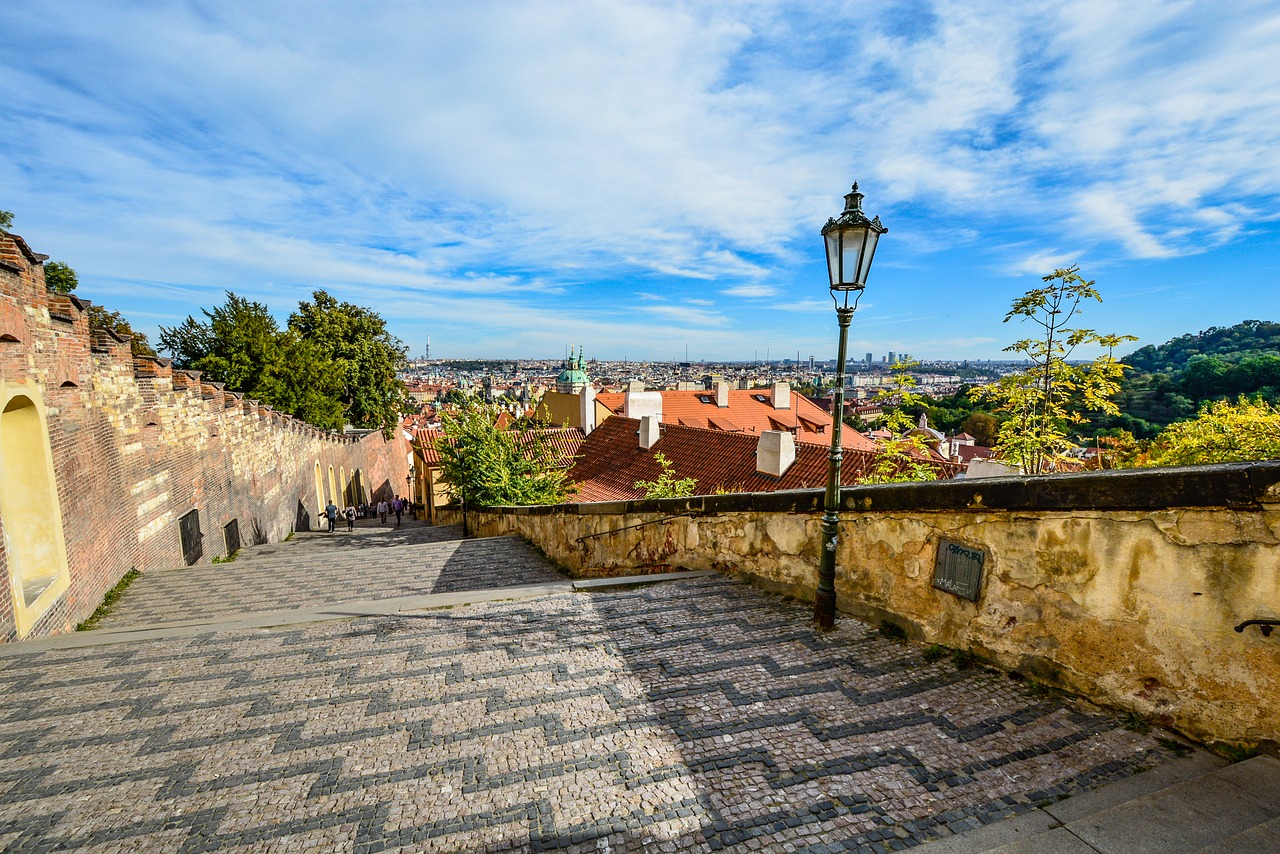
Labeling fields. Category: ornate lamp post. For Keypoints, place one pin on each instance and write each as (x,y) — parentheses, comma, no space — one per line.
(851,244)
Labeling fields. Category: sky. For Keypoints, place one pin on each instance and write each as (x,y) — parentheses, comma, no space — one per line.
(649,179)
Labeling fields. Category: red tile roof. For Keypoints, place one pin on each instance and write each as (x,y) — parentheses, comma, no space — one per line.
(610,462)
(563,442)
(749,411)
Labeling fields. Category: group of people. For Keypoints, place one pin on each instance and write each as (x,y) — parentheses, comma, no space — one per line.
(365,510)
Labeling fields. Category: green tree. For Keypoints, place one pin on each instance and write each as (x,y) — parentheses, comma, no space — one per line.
(905,457)
(667,485)
(984,429)
(1224,432)
(1041,404)
(59,277)
(239,344)
(486,466)
(100,318)
(6,220)
(366,357)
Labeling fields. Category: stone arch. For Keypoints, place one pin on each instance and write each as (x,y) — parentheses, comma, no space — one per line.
(35,547)
(343,488)
(357,485)
(333,485)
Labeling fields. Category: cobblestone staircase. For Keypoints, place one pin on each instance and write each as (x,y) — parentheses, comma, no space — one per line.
(1197,804)
(312,568)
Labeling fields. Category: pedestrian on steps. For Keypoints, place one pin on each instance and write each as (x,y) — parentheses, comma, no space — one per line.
(331,513)
(351,517)
(399,508)
(382,509)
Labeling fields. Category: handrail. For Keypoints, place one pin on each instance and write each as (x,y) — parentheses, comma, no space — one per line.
(585,537)
(1266,626)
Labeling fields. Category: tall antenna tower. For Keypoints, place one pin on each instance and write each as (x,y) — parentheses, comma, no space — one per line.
(427,355)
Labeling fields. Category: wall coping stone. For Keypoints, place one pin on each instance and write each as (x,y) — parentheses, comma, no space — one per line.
(1233,485)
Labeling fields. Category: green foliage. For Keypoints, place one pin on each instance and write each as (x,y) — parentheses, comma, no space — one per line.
(667,485)
(963,659)
(101,318)
(1250,338)
(1041,404)
(59,277)
(6,220)
(905,457)
(109,601)
(334,362)
(226,558)
(486,466)
(1235,752)
(366,357)
(934,652)
(984,429)
(1224,432)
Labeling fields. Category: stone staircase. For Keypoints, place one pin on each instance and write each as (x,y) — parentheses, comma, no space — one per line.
(1197,803)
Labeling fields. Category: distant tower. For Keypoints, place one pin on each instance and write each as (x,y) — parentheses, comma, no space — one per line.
(428,353)
(573,377)
(892,357)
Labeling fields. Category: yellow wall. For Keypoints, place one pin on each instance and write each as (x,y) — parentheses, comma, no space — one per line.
(34,542)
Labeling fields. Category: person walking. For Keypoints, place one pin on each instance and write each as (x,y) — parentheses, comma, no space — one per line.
(382,509)
(331,513)
(351,517)
(399,508)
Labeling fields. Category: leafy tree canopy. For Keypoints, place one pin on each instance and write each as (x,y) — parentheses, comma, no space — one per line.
(6,220)
(905,457)
(486,466)
(1223,432)
(366,357)
(59,277)
(1041,404)
(1231,343)
(101,318)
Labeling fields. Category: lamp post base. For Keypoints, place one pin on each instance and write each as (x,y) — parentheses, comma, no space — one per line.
(824,610)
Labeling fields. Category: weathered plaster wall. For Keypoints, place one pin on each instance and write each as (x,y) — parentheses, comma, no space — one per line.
(135,446)
(1121,586)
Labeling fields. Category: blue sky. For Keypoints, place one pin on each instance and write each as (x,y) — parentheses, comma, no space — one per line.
(512,177)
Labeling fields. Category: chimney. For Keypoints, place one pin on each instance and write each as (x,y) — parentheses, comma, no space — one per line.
(638,404)
(782,395)
(722,394)
(775,452)
(587,409)
(635,385)
(649,432)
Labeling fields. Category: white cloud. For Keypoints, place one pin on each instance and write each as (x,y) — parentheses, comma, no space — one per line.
(751,291)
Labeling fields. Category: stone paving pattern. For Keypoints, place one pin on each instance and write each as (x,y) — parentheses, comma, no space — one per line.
(698,715)
(373,562)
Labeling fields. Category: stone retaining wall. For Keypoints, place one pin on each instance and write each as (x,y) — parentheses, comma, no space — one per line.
(1122,586)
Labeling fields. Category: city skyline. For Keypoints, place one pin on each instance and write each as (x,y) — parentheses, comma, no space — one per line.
(640,179)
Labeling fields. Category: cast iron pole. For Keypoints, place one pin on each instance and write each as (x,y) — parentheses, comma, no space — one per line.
(824,601)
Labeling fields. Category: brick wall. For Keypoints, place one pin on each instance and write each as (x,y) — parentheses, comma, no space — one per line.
(136,445)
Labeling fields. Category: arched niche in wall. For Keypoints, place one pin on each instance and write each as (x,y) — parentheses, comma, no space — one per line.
(35,546)
(319,491)
(333,486)
(344,488)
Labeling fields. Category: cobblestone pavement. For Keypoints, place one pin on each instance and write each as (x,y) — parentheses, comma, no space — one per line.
(697,715)
(373,562)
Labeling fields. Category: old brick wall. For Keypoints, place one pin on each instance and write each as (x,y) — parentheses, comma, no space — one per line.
(1125,587)
(137,445)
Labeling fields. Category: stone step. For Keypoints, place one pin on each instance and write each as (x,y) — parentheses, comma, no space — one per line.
(1193,804)
(1188,816)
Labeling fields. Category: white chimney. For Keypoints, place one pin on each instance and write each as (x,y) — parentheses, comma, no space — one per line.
(775,452)
(782,395)
(587,409)
(722,394)
(638,404)
(649,431)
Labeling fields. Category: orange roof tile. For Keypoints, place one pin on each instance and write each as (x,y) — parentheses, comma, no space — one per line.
(750,411)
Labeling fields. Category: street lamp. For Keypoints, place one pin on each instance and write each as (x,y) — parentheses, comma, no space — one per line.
(851,244)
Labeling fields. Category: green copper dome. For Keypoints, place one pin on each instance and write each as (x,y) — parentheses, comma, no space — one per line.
(573,378)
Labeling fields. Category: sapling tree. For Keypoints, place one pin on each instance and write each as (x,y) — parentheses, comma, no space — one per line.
(905,456)
(667,485)
(1041,403)
(484,465)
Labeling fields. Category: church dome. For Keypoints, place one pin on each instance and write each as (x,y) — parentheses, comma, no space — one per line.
(573,378)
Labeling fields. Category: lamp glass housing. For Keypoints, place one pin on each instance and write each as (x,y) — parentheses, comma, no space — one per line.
(851,244)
